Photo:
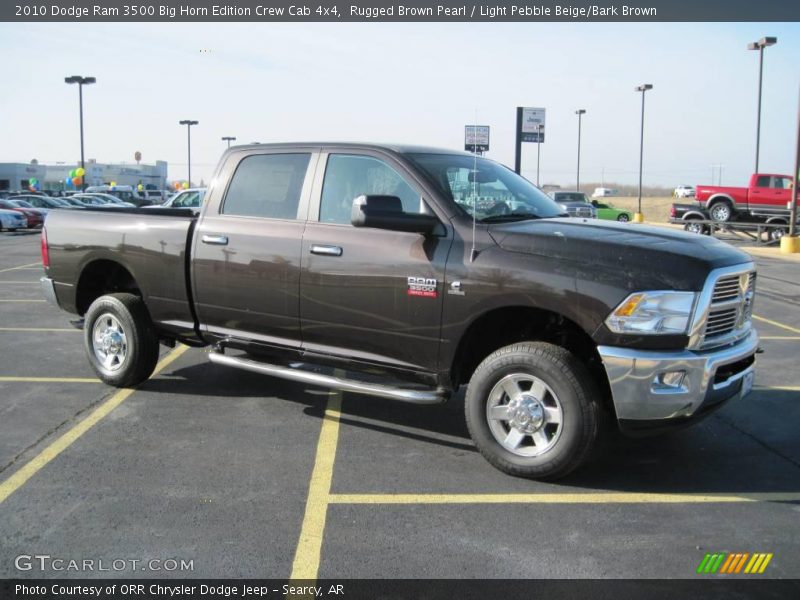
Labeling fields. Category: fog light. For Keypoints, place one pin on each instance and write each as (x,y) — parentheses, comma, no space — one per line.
(669,381)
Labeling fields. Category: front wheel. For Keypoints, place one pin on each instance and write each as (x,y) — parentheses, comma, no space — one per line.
(120,341)
(623,218)
(531,410)
(721,212)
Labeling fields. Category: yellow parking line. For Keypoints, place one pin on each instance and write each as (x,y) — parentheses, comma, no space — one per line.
(309,547)
(20,477)
(776,324)
(49,380)
(780,388)
(28,266)
(41,329)
(556,498)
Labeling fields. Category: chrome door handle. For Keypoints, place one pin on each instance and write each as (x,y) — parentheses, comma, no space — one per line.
(326,250)
(219,240)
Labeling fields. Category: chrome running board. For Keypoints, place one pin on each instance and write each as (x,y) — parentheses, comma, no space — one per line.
(329,381)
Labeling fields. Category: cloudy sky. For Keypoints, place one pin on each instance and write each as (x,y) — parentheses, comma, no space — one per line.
(413,83)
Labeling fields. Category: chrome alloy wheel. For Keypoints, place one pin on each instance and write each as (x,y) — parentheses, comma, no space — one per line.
(524,415)
(109,342)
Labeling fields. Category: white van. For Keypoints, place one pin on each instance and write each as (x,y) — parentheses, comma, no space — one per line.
(603,192)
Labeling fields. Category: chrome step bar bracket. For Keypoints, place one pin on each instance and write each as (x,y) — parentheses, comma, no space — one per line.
(329,381)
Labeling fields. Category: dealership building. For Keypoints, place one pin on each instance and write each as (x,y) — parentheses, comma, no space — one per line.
(17,176)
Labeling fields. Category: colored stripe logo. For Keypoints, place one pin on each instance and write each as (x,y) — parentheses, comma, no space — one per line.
(733,563)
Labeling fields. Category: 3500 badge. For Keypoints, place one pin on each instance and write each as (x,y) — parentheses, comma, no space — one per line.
(422,286)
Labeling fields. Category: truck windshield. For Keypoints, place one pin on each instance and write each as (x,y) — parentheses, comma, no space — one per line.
(485,188)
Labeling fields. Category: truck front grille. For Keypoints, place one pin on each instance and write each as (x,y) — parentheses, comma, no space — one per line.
(731,309)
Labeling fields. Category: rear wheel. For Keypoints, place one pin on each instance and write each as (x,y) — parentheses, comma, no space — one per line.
(120,341)
(531,410)
(693,227)
(721,211)
(775,234)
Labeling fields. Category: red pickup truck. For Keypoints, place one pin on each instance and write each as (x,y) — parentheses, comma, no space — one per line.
(766,197)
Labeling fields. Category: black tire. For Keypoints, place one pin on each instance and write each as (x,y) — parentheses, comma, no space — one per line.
(775,234)
(693,227)
(570,386)
(133,331)
(720,211)
(623,218)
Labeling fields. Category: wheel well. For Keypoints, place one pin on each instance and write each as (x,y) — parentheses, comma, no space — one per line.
(715,199)
(504,326)
(102,277)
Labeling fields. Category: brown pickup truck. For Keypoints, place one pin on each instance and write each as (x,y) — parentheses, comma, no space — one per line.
(416,271)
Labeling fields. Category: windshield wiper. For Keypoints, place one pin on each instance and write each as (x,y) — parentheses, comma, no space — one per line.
(509,217)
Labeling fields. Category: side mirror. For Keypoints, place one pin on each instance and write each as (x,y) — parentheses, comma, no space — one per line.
(386,212)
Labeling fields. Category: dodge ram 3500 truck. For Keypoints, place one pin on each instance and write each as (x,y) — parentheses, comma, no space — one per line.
(414,271)
(765,197)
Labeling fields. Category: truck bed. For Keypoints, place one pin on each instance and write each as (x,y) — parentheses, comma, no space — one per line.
(152,245)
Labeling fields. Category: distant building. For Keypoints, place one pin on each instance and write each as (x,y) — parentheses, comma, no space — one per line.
(17,176)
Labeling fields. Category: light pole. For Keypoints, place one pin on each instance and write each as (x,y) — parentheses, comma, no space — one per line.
(539,128)
(189,124)
(639,217)
(229,140)
(81,81)
(760,45)
(791,243)
(580,112)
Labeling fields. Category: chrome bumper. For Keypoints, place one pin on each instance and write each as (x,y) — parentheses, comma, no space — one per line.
(632,375)
(48,290)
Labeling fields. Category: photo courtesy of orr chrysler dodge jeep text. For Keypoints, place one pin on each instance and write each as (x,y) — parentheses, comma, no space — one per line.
(415,271)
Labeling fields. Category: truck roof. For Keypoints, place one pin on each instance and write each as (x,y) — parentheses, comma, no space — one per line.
(396,148)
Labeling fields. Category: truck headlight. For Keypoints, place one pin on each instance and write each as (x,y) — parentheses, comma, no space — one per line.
(653,313)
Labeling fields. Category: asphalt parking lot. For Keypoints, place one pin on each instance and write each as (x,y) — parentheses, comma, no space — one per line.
(248,476)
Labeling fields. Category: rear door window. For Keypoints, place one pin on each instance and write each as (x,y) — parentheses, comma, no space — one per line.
(267,186)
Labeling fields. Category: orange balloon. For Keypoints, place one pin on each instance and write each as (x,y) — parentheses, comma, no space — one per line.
(77,180)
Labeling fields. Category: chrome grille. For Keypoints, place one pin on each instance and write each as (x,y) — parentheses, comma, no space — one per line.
(730,310)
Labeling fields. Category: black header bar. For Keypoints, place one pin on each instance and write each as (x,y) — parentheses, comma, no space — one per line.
(304,11)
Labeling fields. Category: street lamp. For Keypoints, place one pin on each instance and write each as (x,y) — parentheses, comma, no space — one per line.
(639,217)
(760,45)
(229,140)
(81,81)
(189,124)
(539,131)
(580,112)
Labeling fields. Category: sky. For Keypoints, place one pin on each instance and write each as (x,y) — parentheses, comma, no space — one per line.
(408,83)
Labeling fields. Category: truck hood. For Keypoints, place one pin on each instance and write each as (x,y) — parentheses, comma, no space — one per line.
(645,257)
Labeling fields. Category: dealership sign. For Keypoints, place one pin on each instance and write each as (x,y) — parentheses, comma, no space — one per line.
(532,126)
(476,138)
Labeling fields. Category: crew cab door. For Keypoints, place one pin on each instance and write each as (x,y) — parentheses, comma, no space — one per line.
(770,193)
(370,295)
(246,255)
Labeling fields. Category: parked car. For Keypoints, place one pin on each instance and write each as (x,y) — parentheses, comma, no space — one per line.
(602,192)
(12,220)
(42,201)
(126,193)
(23,204)
(767,195)
(610,212)
(191,198)
(99,199)
(308,258)
(33,216)
(683,191)
(575,204)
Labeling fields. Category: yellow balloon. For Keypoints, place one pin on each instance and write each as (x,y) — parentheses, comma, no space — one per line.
(140,187)
(80,172)
(186,185)
(113,184)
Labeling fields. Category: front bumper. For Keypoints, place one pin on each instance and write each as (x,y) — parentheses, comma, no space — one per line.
(711,378)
